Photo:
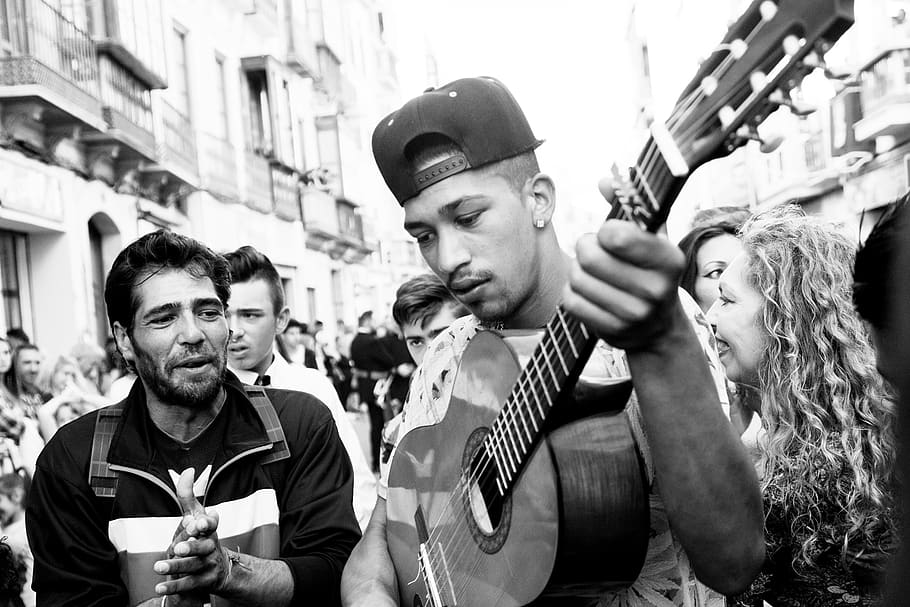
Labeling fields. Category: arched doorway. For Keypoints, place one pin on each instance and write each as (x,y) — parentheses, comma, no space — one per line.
(104,244)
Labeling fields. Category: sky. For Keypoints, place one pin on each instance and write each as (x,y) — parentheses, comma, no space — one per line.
(566,63)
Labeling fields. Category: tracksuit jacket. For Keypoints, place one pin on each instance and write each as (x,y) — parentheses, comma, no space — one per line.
(99,551)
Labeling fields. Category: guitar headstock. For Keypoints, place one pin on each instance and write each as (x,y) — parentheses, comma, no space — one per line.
(764,56)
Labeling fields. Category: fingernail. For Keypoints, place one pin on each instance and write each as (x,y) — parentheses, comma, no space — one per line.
(160,588)
(160,567)
(181,549)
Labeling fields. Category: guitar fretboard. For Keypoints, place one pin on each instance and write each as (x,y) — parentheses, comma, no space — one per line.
(561,354)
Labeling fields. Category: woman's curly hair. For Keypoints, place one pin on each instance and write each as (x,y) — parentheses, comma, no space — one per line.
(827,458)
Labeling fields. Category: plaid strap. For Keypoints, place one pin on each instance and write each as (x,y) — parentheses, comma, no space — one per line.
(103,480)
(269,418)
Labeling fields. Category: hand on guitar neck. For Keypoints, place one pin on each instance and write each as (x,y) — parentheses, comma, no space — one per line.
(623,284)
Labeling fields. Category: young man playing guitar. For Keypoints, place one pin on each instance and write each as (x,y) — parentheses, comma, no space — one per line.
(460,159)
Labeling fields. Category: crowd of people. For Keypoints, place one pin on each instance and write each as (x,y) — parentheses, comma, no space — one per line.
(207,452)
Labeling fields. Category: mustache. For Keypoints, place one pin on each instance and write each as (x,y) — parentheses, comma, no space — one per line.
(457,279)
(202,354)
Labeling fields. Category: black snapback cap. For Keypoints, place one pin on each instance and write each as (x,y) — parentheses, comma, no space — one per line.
(479,115)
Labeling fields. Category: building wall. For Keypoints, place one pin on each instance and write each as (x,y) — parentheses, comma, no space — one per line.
(53,205)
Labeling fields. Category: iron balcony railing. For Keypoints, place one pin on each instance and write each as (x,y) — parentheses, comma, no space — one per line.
(43,47)
(127,104)
(218,166)
(886,81)
(286,194)
(258,182)
(178,142)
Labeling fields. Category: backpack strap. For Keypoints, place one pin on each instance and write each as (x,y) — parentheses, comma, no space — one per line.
(103,480)
(266,410)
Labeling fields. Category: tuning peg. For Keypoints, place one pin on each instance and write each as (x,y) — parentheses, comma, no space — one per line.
(758,81)
(791,45)
(797,108)
(737,48)
(745,134)
(768,10)
(814,60)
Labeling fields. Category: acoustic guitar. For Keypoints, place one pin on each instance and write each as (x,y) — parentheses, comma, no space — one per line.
(530,490)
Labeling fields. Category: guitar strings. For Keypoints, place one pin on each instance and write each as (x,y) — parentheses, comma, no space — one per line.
(464,540)
(580,335)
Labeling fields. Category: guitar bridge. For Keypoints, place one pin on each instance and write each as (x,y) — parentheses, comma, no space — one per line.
(425,564)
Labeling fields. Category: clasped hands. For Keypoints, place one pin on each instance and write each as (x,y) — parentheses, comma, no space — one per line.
(196,565)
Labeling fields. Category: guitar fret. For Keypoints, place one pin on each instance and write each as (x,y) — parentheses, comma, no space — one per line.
(539,376)
(534,422)
(524,423)
(565,326)
(562,361)
(514,453)
(546,359)
(504,448)
(497,456)
(584,330)
(653,205)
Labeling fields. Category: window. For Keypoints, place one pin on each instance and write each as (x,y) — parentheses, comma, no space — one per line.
(221,128)
(260,124)
(180,77)
(96,251)
(330,152)
(12,279)
(288,143)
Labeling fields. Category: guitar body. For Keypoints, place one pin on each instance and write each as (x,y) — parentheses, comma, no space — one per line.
(574,525)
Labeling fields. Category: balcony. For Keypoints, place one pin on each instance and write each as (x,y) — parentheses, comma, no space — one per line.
(258,182)
(885,95)
(814,152)
(218,167)
(301,55)
(130,31)
(49,78)
(333,226)
(286,194)
(127,110)
(176,144)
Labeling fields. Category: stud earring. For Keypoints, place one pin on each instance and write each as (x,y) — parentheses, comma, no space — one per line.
(539,223)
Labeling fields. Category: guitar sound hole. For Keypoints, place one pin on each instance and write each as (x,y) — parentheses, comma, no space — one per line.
(486,503)
(488,513)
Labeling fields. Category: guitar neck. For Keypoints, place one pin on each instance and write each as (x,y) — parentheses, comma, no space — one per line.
(553,367)
(651,190)
(567,343)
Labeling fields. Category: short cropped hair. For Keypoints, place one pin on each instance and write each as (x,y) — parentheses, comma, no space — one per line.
(151,254)
(874,268)
(248,264)
(18,333)
(420,299)
(427,150)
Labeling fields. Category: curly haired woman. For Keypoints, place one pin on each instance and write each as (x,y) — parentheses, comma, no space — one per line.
(786,328)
